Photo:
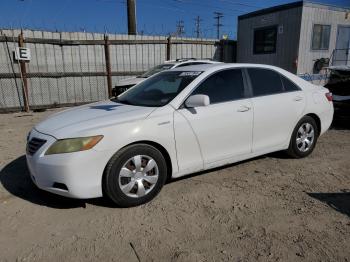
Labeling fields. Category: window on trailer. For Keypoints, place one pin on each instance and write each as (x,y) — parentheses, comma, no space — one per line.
(265,40)
(320,37)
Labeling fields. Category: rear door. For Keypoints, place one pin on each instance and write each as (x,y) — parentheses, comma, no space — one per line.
(278,104)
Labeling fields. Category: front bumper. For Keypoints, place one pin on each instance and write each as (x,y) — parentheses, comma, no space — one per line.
(81,172)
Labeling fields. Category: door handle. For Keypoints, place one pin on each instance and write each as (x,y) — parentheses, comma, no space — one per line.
(298,98)
(243,109)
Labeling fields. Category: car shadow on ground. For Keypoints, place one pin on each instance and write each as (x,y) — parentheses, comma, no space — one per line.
(279,155)
(14,177)
(338,201)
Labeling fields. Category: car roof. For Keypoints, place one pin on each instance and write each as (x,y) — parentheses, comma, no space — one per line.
(218,66)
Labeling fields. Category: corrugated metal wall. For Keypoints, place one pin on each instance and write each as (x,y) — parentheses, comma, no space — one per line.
(287,41)
(10,88)
(125,60)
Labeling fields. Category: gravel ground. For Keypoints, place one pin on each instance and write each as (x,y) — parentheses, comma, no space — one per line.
(270,208)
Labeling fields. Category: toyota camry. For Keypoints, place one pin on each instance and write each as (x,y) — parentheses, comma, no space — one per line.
(175,123)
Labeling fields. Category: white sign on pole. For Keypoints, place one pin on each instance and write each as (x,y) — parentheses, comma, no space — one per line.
(22,54)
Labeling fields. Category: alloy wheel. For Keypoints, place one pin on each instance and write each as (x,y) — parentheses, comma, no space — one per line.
(305,137)
(138,176)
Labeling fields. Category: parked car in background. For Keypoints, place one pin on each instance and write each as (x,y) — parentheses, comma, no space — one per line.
(126,83)
(175,123)
(339,85)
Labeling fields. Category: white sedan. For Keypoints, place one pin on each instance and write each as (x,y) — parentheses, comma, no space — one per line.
(175,123)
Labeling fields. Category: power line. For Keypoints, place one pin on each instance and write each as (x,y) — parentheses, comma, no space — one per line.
(206,6)
(217,17)
(198,21)
(241,4)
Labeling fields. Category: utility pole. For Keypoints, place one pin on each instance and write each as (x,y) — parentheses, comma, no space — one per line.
(180,28)
(217,17)
(131,6)
(198,25)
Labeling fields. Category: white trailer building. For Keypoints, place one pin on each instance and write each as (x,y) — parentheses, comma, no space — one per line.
(296,37)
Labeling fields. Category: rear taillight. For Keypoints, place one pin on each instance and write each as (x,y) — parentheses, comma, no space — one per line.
(329,96)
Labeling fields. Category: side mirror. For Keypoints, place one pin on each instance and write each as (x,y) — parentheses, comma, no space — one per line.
(197,101)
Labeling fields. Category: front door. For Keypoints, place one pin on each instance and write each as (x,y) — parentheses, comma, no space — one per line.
(223,129)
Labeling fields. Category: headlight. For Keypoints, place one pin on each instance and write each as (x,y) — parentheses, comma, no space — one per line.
(73,145)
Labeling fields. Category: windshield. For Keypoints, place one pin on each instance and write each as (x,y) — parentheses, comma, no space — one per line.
(156,69)
(158,90)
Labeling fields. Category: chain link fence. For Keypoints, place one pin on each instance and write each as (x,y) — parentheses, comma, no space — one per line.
(76,68)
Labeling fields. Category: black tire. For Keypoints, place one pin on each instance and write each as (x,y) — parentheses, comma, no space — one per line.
(110,183)
(293,150)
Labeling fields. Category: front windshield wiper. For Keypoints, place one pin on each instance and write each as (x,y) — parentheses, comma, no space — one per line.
(125,102)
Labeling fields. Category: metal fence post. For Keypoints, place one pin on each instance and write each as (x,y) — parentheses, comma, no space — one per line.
(108,66)
(168,48)
(24,75)
(222,53)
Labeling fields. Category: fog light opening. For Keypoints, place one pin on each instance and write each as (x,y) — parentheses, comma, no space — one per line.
(60,186)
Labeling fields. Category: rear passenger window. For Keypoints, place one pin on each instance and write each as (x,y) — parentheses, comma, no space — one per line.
(288,85)
(223,86)
(265,82)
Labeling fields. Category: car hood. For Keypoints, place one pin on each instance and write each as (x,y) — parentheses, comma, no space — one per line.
(84,120)
(130,81)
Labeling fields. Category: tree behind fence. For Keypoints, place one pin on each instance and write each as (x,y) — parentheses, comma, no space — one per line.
(71,68)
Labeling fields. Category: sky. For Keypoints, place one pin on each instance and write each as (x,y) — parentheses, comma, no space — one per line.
(154,17)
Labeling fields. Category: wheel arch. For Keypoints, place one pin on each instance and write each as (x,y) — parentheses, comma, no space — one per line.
(313,116)
(156,145)
(317,120)
(164,152)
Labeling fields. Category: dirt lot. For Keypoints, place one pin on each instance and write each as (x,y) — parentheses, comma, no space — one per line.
(268,209)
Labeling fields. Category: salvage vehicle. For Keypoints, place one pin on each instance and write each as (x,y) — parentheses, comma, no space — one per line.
(339,85)
(175,123)
(126,83)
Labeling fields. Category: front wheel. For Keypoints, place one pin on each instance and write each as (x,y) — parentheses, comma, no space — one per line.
(304,138)
(135,175)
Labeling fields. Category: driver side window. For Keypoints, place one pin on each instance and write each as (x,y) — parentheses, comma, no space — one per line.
(224,86)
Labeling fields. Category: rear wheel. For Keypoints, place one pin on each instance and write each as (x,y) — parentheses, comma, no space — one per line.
(135,175)
(304,138)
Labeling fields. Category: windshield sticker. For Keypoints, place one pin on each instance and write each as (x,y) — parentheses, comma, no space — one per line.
(189,73)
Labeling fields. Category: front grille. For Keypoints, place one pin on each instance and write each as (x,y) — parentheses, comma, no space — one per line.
(34,144)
